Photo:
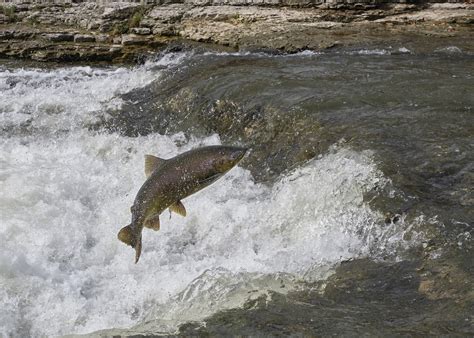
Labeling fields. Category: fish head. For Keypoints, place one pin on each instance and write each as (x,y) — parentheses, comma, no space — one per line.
(226,158)
(214,161)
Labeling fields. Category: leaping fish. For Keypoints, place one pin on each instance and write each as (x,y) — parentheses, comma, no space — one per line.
(169,181)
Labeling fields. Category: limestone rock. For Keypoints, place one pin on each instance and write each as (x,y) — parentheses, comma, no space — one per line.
(43,31)
(6,35)
(141,31)
(119,11)
(164,30)
(60,37)
(133,40)
(102,38)
(23,35)
(115,48)
(84,38)
(168,14)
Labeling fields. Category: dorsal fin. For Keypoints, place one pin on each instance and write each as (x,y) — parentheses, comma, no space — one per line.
(151,163)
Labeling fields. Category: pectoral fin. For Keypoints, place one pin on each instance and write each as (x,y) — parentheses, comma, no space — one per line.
(153,222)
(178,208)
(151,163)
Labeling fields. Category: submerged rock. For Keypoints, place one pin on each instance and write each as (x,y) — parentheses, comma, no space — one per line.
(361,298)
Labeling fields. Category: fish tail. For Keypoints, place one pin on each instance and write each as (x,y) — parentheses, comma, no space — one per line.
(138,249)
(127,235)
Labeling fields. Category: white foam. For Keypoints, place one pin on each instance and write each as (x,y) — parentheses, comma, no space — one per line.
(376,51)
(404,50)
(63,201)
(68,98)
(263,54)
(449,50)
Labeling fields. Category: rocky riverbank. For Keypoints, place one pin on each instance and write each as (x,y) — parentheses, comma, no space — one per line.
(123,32)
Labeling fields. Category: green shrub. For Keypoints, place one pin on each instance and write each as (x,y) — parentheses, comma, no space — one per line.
(120,28)
(134,21)
(9,12)
(33,21)
(137,17)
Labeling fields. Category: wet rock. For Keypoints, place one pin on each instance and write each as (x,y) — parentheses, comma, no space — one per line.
(392,218)
(362,298)
(41,55)
(60,37)
(84,38)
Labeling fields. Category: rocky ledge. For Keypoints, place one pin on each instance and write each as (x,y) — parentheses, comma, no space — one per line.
(121,32)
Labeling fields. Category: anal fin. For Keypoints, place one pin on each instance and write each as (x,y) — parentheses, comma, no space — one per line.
(153,222)
(178,208)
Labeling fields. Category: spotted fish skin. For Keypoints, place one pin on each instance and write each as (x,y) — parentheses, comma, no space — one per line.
(169,181)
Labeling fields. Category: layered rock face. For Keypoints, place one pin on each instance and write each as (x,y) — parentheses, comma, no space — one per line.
(122,31)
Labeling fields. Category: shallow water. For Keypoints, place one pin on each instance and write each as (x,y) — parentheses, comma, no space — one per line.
(361,156)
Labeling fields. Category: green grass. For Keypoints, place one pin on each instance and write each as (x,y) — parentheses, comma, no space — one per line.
(134,21)
(137,17)
(9,12)
(120,28)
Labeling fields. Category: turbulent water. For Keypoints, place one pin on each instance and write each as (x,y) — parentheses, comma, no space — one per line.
(362,155)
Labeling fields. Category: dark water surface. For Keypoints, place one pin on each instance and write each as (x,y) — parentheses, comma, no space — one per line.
(414,111)
(352,214)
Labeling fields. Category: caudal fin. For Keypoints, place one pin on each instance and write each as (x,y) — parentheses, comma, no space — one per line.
(138,249)
(127,235)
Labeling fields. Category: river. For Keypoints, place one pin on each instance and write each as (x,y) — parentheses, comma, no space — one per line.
(352,213)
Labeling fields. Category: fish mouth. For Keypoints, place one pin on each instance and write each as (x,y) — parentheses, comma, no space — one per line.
(238,154)
(231,159)
(210,179)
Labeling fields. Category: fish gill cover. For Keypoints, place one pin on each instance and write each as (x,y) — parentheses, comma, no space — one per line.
(65,194)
